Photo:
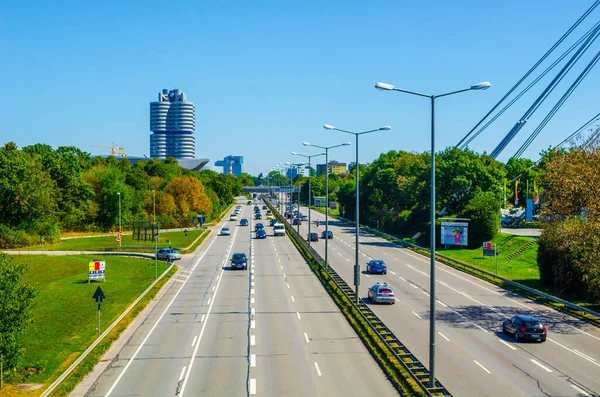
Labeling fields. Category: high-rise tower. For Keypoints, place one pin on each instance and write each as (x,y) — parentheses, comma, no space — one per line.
(173,122)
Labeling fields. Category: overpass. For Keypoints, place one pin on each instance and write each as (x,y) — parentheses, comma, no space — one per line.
(269,189)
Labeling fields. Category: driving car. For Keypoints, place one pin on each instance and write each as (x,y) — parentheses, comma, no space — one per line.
(225,231)
(258,226)
(296,221)
(525,327)
(269,216)
(273,221)
(243,222)
(329,234)
(249,202)
(376,266)
(239,261)
(168,254)
(314,236)
(257,216)
(264,207)
(233,217)
(260,233)
(382,293)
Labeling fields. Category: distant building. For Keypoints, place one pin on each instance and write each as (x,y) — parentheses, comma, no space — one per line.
(172,122)
(334,167)
(231,165)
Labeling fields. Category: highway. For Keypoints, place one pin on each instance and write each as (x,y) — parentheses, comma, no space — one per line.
(271,330)
(473,357)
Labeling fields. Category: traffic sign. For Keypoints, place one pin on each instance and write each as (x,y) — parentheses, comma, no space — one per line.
(99,295)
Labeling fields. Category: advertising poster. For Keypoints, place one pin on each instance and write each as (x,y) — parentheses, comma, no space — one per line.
(454,233)
(96,270)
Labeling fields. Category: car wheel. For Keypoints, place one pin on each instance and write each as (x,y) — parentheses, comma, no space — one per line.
(384,272)
(516,336)
(543,340)
(503,329)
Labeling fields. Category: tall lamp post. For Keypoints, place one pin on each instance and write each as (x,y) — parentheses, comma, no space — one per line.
(356,264)
(309,186)
(155,235)
(390,87)
(326,148)
(119,193)
(297,166)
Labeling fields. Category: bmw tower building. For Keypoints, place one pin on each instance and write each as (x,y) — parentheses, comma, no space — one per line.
(172,121)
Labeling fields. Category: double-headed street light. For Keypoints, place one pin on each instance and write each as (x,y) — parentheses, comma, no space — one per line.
(356,264)
(389,87)
(155,234)
(309,186)
(119,193)
(297,166)
(326,148)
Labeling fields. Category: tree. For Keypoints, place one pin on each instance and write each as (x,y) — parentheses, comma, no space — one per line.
(483,210)
(188,193)
(16,304)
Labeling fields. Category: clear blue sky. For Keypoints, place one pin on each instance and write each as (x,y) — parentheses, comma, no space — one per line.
(266,75)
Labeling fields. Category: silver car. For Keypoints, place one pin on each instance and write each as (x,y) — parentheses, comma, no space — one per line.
(168,254)
(382,293)
(225,231)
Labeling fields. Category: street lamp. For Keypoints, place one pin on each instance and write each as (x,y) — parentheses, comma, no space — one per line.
(356,264)
(297,166)
(389,87)
(326,148)
(309,187)
(119,193)
(155,235)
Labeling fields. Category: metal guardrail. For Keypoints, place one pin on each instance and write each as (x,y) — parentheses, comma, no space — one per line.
(409,361)
(457,264)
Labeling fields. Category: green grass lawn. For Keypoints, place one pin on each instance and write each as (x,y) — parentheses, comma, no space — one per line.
(521,268)
(109,243)
(65,314)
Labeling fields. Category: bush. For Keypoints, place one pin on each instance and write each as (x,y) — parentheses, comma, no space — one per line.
(483,210)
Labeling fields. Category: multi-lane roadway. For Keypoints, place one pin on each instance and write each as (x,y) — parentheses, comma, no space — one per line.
(473,357)
(271,330)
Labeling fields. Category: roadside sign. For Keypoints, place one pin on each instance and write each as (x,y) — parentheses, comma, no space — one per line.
(96,270)
(99,297)
(489,249)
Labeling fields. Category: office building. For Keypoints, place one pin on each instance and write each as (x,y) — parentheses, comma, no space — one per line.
(231,165)
(172,122)
(334,167)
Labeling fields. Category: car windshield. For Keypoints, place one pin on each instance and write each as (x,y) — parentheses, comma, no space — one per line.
(237,257)
(532,324)
(377,263)
(225,229)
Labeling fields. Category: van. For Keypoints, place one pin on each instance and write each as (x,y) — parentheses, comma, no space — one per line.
(278,230)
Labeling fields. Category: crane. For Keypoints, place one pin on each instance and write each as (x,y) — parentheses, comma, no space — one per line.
(114,149)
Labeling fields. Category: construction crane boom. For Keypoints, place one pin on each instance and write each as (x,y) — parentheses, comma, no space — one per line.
(114,150)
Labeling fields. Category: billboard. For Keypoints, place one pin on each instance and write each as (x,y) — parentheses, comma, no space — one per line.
(489,249)
(454,233)
(96,270)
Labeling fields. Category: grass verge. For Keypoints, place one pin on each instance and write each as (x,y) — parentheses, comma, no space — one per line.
(66,314)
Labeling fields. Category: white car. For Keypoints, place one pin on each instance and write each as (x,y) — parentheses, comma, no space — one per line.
(278,229)
(233,217)
(225,231)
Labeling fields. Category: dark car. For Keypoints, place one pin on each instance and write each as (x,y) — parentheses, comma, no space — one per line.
(260,233)
(257,216)
(525,327)
(249,202)
(239,261)
(256,208)
(264,207)
(376,266)
(243,222)
(382,293)
(296,221)
(258,226)
(273,221)
(314,236)
(329,234)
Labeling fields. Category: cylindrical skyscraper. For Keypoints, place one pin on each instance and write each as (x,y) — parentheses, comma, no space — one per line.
(173,122)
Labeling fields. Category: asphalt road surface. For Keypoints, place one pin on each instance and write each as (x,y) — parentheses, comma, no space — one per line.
(270,330)
(473,357)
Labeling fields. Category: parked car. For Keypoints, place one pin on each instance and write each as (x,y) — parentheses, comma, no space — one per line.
(273,221)
(239,261)
(258,226)
(525,327)
(260,233)
(168,254)
(376,266)
(382,293)
(225,231)
(314,236)
(329,234)
(243,222)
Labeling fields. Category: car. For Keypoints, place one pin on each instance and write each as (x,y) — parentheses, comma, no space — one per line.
(269,216)
(249,202)
(233,217)
(376,266)
(260,233)
(168,254)
(329,234)
(278,230)
(314,236)
(296,221)
(304,218)
(257,216)
(382,293)
(243,222)
(258,226)
(256,208)
(225,231)
(525,327)
(265,207)
(239,261)
(273,221)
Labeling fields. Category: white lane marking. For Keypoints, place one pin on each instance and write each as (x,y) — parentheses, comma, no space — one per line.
(366,275)
(481,328)
(214,286)
(507,344)
(252,311)
(283,275)
(393,272)
(540,365)
(425,292)
(298,314)
(584,355)
(442,303)
(202,319)
(574,352)
(393,257)
(180,281)
(293,300)
(416,314)
(413,285)
(181,375)
(194,341)
(318,370)
(209,299)
(347,260)
(281,267)
(443,336)
(397,300)
(252,340)
(582,331)
(402,278)
(288,285)
(252,291)
(251,276)
(580,390)
(482,367)
(252,324)
(252,300)
(252,386)
(253,360)
(252,283)
(385,253)
(306,337)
